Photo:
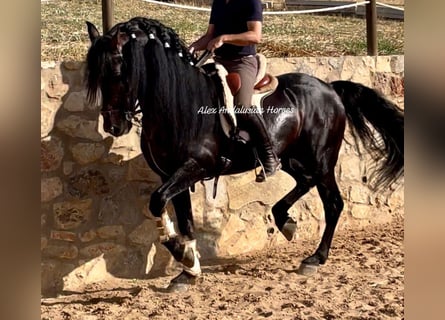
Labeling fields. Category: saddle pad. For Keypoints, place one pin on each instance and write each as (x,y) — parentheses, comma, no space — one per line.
(228,110)
(228,115)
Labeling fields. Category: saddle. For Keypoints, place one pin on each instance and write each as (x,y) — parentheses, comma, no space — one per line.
(264,82)
(265,85)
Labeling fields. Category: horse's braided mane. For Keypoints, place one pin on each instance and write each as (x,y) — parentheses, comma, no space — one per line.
(175,63)
(171,82)
(164,34)
(96,55)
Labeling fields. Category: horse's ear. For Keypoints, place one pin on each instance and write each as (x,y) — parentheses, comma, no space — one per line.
(92,31)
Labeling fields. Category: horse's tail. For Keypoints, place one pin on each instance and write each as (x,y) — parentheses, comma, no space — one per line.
(366,106)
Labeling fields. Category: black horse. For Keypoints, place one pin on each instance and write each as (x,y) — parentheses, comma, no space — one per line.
(142,62)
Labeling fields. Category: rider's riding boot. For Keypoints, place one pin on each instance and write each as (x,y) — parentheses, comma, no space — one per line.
(270,161)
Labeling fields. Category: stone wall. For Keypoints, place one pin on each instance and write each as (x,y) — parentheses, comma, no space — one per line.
(95,188)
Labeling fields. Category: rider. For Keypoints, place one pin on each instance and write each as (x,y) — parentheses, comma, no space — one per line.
(234,30)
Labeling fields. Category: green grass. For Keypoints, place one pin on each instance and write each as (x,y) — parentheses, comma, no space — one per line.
(64,36)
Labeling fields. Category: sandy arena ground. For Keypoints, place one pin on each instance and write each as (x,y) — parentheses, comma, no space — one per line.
(363,279)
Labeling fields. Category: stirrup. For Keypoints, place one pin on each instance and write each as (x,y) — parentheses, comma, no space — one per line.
(239,136)
(259,176)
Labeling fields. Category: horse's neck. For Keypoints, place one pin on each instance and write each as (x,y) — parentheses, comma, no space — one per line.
(176,91)
(171,105)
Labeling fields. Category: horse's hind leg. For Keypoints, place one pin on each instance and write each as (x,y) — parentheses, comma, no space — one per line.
(305,181)
(333,206)
(283,221)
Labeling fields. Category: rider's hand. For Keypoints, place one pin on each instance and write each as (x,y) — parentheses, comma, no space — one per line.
(192,48)
(215,43)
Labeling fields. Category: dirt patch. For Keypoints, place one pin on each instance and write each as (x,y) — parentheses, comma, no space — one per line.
(363,279)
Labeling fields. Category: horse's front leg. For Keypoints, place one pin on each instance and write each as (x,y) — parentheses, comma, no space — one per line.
(182,246)
(185,248)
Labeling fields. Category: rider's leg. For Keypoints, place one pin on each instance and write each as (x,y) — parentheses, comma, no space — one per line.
(252,121)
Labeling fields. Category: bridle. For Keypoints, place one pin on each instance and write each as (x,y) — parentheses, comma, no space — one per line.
(130,115)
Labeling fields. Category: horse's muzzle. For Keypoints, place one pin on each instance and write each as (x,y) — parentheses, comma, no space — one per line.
(118,131)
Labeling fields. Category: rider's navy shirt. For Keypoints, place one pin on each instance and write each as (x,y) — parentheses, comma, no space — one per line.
(232,18)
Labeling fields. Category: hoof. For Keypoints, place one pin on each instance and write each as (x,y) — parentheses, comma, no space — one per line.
(289,228)
(307,269)
(182,282)
(178,287)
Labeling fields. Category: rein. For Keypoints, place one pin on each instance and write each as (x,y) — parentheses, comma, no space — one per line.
(154,161)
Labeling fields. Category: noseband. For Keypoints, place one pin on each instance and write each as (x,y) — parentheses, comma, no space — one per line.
(130,115)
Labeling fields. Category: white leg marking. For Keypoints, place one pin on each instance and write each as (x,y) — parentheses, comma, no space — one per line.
(196,269)
(166,227)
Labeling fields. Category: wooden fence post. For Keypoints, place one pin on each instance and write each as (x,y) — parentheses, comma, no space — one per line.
(371,27)
(107,15)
